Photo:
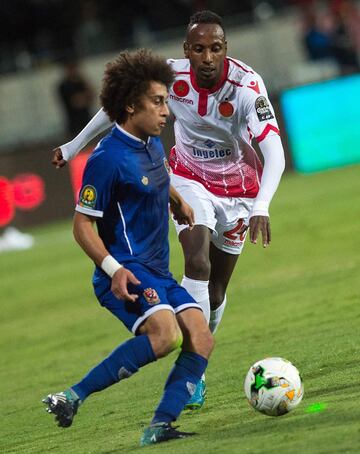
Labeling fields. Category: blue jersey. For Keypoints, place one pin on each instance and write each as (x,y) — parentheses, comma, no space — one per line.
(126,187)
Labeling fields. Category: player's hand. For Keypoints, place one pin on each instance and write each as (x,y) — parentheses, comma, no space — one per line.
(119,284)
(182,213)
(257,225)
(58,160)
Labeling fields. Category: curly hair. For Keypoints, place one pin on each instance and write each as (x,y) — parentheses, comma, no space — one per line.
(205,17)
(127,79)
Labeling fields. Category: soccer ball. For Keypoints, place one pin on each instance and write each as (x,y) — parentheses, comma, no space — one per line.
(273,386)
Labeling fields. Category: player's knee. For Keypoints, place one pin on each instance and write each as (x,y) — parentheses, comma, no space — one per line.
(203,342)
(197,266)
(166,341)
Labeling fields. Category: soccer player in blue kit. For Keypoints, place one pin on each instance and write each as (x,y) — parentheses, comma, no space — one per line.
(126,192)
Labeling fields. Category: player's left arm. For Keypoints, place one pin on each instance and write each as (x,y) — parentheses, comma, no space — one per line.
(262,123)
(274,165)
(182,212)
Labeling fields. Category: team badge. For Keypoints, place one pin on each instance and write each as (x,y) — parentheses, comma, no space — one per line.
(87,196)
(226,109)
(254,86)
(181,88)
(263,109)
(167,166)
(145,180)
(151,296)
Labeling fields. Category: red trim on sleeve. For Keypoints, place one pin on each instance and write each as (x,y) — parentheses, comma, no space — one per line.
(234,83)
(239,66)
(266,131)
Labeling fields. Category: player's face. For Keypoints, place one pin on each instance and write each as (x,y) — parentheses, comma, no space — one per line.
(149,117)
(206,48)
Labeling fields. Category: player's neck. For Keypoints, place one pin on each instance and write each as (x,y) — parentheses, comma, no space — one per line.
(125,128)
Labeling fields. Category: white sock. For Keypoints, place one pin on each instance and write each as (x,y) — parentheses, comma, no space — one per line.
(199,290)
(216,316)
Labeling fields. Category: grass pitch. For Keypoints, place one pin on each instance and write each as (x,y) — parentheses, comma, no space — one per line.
(298,299)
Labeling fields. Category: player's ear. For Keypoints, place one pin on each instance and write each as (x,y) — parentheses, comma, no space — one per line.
(226,47)
(130,110)
(186,49)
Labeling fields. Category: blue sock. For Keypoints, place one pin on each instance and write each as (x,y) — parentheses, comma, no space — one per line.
(179,386)
(124,361)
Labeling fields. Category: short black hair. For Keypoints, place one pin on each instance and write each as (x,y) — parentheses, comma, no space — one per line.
(128,78)
(205,17)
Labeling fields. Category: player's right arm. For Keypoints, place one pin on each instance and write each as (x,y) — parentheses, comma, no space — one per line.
(93,246)
(100,179)
(99,123)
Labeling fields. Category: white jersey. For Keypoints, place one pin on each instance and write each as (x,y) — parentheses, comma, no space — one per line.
(214,128)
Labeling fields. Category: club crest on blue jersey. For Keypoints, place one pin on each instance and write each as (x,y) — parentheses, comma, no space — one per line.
(88,196)
(145,180)
(151,296)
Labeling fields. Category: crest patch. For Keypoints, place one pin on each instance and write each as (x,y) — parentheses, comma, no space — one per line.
(151,296)
(263,109)
(88,196)
(181,88)
(226,109)
(145,180)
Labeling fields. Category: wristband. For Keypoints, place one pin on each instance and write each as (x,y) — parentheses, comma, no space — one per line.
(110,265)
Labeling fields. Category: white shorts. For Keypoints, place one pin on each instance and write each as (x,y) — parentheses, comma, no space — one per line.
(224,216)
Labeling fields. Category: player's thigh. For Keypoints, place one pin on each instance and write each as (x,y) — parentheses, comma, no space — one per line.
(198,198)
(195,242)
(162,321)
(196,333)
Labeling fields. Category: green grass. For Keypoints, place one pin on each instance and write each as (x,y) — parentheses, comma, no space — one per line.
(298,299)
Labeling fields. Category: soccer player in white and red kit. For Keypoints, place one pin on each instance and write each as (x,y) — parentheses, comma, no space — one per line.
(220,105)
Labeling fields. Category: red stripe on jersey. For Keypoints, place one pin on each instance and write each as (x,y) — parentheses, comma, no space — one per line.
(234,83)
(266,131)
(182,72)
(203,100)
(239,66)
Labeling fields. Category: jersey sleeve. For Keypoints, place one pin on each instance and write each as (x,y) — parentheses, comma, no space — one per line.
(98,185)
(258,111)
(274,165)
(98,124)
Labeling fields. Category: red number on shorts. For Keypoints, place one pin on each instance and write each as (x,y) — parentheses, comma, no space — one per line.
(234,234)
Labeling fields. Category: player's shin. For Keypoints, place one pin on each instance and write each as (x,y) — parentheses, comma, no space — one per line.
(180,385)
(216,316)
(123,362)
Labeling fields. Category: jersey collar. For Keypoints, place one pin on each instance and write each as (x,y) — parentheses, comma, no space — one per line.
(215,87)
(130,139)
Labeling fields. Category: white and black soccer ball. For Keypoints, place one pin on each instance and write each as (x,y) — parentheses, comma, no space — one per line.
(273,386)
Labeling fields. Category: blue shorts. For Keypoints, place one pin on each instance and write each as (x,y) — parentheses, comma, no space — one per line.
(155,293)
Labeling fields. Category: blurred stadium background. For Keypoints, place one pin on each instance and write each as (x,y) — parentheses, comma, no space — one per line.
(282,40)
(298,299)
